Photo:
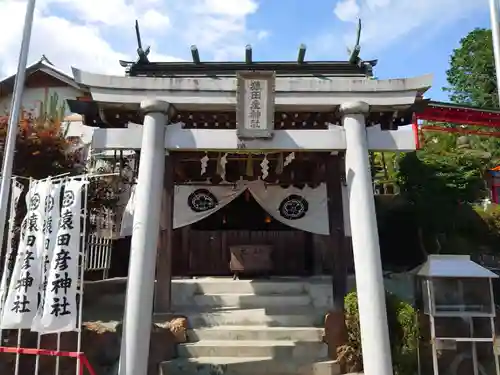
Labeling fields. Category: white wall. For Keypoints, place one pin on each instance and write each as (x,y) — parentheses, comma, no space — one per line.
(33,97)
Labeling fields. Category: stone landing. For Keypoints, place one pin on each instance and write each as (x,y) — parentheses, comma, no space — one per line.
(248,327)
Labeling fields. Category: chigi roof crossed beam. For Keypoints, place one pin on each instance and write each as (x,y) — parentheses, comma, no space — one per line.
(143,67)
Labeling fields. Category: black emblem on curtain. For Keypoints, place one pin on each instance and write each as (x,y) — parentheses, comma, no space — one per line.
(293,207)
(202,200)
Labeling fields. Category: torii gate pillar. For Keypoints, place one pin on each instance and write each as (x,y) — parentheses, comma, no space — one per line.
(365,244)
(137,319)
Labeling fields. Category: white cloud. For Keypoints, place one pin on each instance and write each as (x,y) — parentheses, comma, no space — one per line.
(94,34)
(377,3)
(388,21)
(154,20)
(231,8)
(220,27)
(347,10)
(263,34)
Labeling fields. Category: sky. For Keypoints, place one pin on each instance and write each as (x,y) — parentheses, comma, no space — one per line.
(407,37)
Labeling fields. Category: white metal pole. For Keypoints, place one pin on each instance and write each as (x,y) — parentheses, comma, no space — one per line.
(495,31)
(15,109)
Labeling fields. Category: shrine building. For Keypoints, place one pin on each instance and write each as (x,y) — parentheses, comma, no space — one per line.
(252,169)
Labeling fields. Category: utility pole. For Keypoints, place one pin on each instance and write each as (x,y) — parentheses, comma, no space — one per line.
(495,31)
(15,109)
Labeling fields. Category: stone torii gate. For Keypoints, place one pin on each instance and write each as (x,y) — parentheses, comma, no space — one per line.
(355,99)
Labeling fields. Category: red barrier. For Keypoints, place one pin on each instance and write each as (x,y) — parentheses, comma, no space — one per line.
(416,133)
(84,362)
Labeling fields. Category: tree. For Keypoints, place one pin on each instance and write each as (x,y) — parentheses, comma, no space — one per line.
(41,148)
(439,183)
(471,76)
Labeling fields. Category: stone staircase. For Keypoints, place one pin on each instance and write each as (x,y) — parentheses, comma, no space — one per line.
(240,327)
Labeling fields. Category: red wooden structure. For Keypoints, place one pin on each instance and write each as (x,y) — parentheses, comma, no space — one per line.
(460,119)
(468,120)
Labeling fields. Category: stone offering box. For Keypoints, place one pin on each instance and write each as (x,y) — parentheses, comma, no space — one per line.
(251,259)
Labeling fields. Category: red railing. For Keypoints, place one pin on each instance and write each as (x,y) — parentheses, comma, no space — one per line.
(84,362)
(447,113)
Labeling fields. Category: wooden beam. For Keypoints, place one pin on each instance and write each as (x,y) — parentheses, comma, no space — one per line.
(163,290)
(336,224)
(195,54)
(302,54)
(335,329)
(248,54)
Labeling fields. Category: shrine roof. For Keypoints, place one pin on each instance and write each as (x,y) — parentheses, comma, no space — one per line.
(465,107)
(228,68)
(142,66)
(456,266)
(44,66)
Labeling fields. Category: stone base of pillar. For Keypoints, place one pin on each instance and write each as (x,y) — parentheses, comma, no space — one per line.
(335,334)
(167,332)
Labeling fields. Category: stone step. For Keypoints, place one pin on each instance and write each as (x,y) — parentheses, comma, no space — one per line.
(284,317)
(251,300)
(259,287)
(256,333)
(246,366)
(281,349)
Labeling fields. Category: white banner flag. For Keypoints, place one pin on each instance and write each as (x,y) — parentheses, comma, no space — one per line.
(16,191)
(60,308)
(22,299)
(50,228)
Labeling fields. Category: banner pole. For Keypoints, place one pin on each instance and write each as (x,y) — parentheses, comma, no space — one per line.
(495,31)
(15,109)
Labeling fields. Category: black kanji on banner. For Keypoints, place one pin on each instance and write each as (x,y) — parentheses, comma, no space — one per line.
(61,281)
(66,220)
(47,225)
(62,259)
(24,282)
(20,305)
(33,222)
(59,306)
(28,257)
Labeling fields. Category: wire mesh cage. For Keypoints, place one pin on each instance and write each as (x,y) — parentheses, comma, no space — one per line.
(457,323)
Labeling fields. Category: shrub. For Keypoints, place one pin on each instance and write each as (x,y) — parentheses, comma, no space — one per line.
(403,332)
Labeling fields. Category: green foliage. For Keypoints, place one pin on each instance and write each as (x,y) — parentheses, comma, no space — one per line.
(455,177)
(440,182)
(403,332)
(471,76)
(384,166)
(472,81)
(429,181)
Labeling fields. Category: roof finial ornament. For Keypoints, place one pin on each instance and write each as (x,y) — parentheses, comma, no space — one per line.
(142,53)
(354,53)
(45,59)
